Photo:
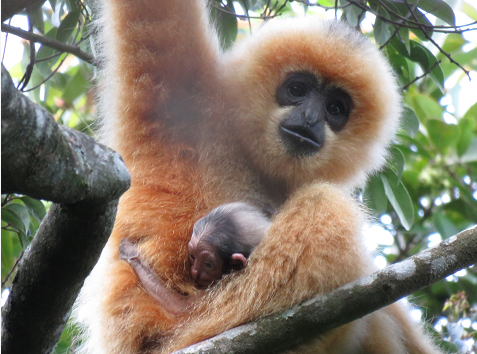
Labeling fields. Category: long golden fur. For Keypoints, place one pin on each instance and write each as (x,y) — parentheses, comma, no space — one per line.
(198,128)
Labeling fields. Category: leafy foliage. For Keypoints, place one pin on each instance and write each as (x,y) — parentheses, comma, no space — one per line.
(428,190)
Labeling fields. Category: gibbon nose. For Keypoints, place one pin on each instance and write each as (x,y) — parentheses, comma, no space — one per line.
(311,116)
(194,272)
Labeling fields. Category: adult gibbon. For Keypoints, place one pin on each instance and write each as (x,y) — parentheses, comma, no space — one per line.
(292,117)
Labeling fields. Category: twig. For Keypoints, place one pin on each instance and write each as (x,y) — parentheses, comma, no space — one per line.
(435,44)
(421,76)
(52,43)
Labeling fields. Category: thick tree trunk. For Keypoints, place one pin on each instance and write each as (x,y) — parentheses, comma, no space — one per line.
(47,161)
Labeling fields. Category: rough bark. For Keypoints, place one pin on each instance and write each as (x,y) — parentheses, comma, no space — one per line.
(322,313)
(47,161)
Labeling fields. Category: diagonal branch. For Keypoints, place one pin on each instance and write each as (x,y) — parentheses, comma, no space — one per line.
(285,330)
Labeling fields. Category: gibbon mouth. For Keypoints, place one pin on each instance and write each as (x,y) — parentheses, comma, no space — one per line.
(302,140)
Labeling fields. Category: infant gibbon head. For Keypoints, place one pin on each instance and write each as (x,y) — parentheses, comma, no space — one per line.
(318,101)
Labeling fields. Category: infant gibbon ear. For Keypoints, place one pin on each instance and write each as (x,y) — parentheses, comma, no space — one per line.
(238,261)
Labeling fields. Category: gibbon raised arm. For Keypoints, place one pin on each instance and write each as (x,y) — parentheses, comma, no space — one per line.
(293,117)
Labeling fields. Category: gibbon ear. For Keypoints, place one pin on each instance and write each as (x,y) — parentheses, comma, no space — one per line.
(238,261)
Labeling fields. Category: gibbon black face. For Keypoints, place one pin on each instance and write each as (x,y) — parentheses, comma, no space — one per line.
(303,130)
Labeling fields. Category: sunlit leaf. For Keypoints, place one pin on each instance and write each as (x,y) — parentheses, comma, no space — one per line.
(428,107)
(469,10)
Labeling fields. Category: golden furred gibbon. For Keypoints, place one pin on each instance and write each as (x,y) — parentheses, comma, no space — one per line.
(292,117)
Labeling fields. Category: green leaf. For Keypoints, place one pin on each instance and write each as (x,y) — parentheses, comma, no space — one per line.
(398,62)
(374,195)
(398,159)
(471,113)
(442,135)
(400,46)
(22,212)
(399,198)
(428,106)
(469,10)
(427,60)
(77,86)
(36,12)
(351,13)
(465,136)
(471,153)
(410,123)
(36,207)
(12,218)
(438,8)
(404,37)
(419,55)
(7,252)
(382,33)
(453,43)
(226,21)
(67,26)
(44,67)
(443,225)
(422,19)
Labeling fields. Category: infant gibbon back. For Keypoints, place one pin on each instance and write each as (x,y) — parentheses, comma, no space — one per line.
(292,117)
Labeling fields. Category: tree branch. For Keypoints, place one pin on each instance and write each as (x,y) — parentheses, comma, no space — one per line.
(322,313)
(52,162)
(49,42)
(47,161)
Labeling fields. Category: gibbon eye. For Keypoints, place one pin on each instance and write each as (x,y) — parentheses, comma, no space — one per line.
(208,265)
(297,87)
(191,256)
(335,108)
(338,108)
(297,90)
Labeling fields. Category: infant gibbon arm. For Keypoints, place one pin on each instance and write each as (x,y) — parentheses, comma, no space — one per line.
(173,302)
